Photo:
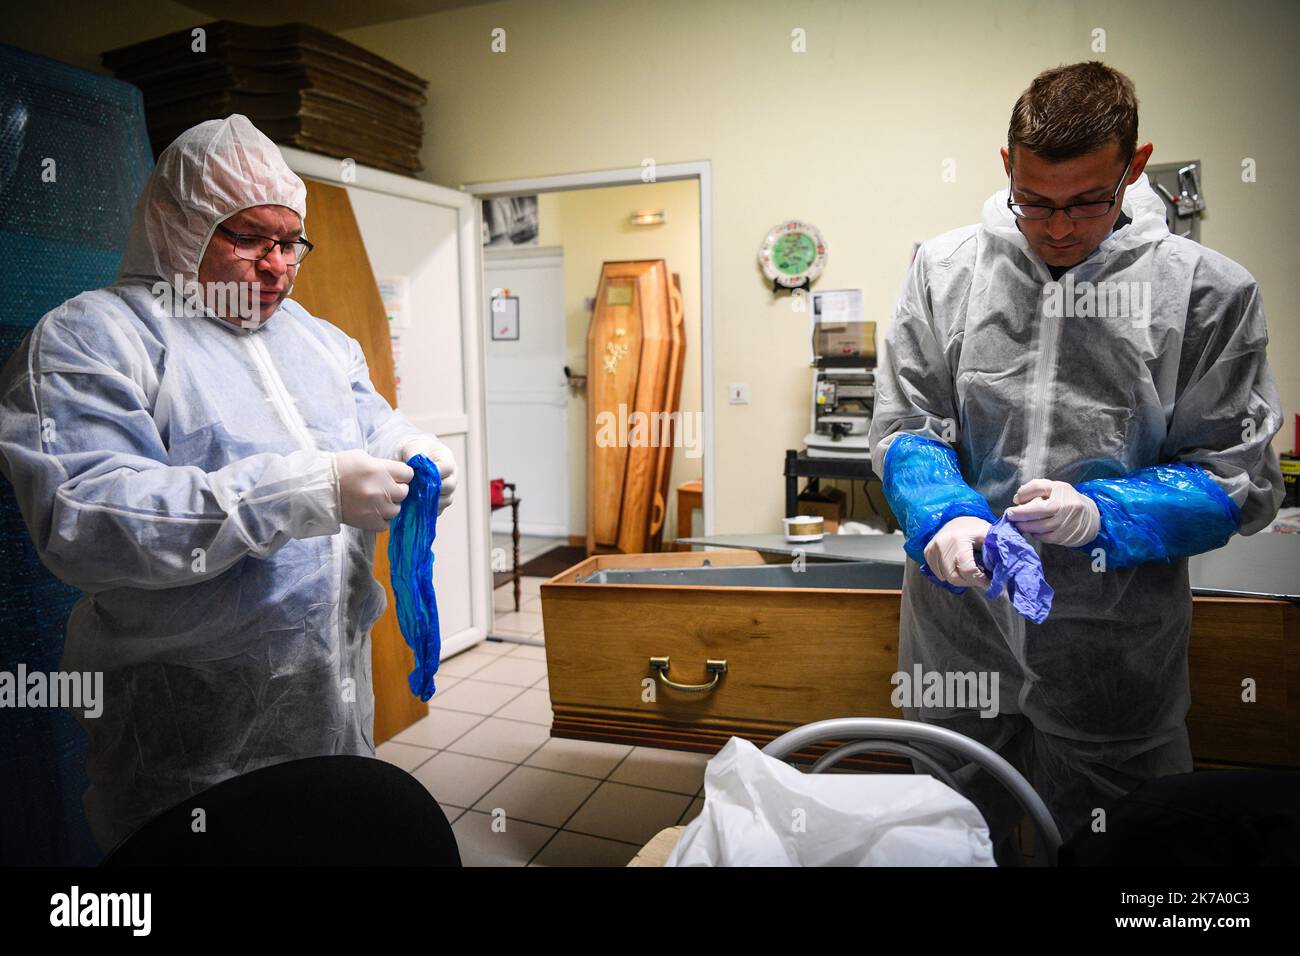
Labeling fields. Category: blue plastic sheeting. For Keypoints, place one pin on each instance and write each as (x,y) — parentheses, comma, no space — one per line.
(74,155)
(925,490)
(1160,513)
(410,557)
(1013,564)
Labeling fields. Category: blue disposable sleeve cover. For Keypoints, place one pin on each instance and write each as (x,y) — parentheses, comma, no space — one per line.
(410,557)
(1160,513)
(925,490)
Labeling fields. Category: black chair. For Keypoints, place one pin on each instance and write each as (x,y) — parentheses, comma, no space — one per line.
(318,811)
(1206,818)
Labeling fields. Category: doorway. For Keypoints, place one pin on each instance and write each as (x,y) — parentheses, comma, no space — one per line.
(545,243)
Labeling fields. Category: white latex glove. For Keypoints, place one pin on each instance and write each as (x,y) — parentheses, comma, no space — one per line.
(371,490)
(441,456)
(951,552)
(1054,512)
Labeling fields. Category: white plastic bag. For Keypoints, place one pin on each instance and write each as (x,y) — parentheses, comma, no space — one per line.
(760,811)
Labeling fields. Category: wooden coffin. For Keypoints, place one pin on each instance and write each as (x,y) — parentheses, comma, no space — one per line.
(635,356)
(800,654)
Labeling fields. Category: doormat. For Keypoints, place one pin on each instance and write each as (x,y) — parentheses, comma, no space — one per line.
(551,563)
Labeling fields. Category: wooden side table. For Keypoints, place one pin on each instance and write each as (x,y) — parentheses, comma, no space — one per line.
(690,495)
(501,577)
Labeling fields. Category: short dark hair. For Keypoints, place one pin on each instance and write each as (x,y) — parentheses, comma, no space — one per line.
(1072,110)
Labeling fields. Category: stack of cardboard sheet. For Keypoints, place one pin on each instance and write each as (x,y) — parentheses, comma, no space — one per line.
(300,86)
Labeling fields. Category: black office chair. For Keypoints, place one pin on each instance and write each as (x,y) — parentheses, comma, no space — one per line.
(319,811)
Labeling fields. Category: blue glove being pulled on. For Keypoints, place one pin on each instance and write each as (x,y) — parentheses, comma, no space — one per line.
(1012,563)
(410,556)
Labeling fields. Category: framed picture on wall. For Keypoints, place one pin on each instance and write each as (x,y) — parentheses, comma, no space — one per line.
(510,221)
(505,318)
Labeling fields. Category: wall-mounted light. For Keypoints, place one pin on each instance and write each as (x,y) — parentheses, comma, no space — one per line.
(649,217)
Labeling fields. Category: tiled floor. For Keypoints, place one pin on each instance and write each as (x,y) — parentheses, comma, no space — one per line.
(515,796)
(525,625)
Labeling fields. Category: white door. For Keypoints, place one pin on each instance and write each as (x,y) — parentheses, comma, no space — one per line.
(527,397)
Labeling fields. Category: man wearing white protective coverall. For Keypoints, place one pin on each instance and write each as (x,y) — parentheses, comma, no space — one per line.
(212,477)
(1034,393)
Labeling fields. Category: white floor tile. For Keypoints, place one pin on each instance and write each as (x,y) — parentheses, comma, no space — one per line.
(630,814)
(590,758)
(406,756)
(477,697)
(676,770)
(511,740)
(466,663)
(513,670)
(459,779)
(437,730)
(538,796)
(522,622)
(484,841)
(523,640)
(578,849)
(533,706)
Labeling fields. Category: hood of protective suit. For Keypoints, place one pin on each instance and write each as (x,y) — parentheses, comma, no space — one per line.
(1141,204)
(209,173)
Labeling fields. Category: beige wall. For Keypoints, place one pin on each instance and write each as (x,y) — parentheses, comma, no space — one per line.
(592,227)
(78,31)
(850,135)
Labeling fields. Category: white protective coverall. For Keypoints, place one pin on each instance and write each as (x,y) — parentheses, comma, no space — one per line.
(1093,700)
(179,470)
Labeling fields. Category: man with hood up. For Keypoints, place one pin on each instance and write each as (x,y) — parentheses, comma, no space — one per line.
(210,469)
(1071,365)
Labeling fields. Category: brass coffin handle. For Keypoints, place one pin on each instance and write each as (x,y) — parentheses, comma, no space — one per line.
(716,668)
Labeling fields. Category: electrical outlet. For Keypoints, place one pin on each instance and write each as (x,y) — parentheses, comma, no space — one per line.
(738,393)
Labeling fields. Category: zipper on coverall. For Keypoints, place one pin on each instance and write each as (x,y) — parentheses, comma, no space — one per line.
(285,407)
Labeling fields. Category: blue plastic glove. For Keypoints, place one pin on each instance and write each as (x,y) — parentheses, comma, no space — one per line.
(410,556)
(1012,563)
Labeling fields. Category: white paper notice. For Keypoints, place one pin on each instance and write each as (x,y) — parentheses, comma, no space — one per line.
(395,293)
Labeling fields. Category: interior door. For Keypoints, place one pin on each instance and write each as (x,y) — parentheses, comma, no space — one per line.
(527,399)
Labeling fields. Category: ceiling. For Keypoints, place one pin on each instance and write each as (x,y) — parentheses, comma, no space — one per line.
(331,15)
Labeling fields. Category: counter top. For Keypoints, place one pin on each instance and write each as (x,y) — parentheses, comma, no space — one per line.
(1261,565)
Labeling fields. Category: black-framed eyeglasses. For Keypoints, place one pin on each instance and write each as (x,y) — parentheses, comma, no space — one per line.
(256,248)
(1079,210)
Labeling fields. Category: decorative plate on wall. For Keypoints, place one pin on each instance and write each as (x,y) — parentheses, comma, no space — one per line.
(793,255)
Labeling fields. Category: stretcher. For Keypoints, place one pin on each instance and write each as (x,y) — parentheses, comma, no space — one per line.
(922,743)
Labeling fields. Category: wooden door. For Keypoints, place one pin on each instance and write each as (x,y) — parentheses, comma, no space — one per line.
(338,285)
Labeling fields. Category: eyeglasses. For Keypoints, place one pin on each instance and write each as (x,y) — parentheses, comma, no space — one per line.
(1082,210)
(257,248)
